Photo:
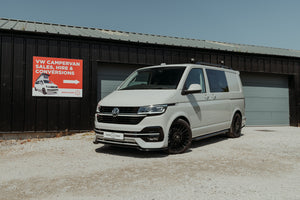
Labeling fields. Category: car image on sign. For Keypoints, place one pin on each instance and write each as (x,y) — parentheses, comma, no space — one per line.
(44,85)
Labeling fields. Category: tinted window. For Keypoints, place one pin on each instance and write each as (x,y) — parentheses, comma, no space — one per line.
(217,80)
(195,77)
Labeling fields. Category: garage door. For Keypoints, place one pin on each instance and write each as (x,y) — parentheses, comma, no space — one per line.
(267,99)
(110,76)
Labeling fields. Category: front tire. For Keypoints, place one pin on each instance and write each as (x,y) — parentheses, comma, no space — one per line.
(44,91)
(236,126)
(180,137)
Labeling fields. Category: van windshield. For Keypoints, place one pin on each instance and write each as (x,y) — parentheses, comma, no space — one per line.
(47,81)
(154,78)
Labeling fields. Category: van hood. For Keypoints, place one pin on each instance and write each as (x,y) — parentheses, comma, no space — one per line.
(138,98)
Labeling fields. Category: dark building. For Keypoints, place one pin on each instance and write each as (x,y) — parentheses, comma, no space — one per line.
(270,76)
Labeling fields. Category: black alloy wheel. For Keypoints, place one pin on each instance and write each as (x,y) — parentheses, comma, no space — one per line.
(180,137)
(236,126)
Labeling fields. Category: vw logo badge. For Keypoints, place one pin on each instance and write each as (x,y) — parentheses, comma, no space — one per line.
(115,112)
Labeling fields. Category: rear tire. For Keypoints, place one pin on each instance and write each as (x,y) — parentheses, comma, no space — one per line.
(236,126)
(180,137)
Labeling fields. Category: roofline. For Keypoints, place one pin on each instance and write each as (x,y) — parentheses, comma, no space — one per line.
(77,31)
(191,65)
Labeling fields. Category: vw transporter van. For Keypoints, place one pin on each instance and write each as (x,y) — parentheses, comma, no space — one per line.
(44,85)
(168,106)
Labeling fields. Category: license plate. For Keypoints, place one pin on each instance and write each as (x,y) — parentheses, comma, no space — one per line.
(111,135)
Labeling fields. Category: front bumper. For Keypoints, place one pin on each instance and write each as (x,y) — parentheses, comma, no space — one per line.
(52,89)
(150,138)
(136,133)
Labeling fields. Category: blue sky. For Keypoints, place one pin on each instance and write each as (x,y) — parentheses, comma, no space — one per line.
(274,23)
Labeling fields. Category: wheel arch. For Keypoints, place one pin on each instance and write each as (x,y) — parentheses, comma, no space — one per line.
(233,132)
(176,116)
(234,112)
(239,112)
(183,118)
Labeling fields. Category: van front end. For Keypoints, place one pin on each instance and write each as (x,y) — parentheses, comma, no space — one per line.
(138,127)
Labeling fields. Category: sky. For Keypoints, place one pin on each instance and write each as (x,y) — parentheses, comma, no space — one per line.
(272,23)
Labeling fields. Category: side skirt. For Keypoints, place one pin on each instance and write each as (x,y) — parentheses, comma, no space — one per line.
(210,135)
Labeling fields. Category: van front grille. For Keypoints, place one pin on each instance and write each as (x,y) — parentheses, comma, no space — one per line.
(119,119)
(108,109)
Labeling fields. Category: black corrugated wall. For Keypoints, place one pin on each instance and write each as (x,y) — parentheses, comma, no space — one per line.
(20,112)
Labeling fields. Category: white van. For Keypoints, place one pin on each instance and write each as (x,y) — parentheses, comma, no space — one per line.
(44,85)
(167,106)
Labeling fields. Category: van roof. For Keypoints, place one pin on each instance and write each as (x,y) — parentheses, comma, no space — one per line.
(191,65)
(42,76)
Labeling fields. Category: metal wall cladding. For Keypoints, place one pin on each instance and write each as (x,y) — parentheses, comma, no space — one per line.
(22,112)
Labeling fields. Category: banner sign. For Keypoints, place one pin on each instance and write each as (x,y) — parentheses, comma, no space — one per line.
(56,77)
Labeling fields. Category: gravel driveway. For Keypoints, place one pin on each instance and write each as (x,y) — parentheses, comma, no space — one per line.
(264,163)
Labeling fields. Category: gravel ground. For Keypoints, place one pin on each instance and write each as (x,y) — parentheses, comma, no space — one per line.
(264,163)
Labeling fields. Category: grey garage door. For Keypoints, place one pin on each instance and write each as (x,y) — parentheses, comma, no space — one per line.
(267,99)
(110,76)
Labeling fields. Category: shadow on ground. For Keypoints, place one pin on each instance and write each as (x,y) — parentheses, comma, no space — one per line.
(132,152)
(208,141)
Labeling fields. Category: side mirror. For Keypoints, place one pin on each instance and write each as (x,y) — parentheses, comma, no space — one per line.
(193,88)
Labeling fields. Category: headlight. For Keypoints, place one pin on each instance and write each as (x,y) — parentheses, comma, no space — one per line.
(152,110)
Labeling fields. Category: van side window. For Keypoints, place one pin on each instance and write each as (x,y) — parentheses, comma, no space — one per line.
(195,77)
(217,81)
(233,82)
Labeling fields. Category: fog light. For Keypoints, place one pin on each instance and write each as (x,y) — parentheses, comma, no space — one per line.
(153,138)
